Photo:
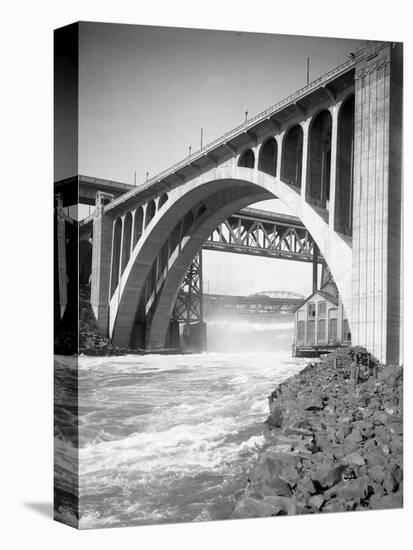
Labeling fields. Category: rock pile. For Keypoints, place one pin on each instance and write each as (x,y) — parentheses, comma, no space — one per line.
(90,341)
(333,442)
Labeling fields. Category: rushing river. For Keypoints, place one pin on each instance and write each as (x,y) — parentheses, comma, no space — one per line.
(171,438)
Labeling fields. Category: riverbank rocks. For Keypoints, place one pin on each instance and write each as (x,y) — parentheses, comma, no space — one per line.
(330,445)
(90,341)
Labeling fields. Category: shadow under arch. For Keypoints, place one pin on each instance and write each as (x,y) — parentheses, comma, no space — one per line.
(242,186)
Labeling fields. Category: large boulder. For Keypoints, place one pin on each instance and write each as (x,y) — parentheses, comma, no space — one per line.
(249,507)
(328,476)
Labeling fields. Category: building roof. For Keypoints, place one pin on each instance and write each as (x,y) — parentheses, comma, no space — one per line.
(329,297)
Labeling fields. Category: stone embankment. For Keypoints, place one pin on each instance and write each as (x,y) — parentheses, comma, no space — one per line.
(334,442)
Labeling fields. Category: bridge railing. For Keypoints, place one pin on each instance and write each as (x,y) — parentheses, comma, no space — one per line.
(292,98)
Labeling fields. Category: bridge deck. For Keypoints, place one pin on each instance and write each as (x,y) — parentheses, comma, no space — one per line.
(321,85)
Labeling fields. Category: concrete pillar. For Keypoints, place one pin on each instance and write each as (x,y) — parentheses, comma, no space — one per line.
(101,267)
(304,179)
(60,255)
(133,212)
(195,339)
(315,268)
(376,270)
(173,339)
(280,141)
(333,171)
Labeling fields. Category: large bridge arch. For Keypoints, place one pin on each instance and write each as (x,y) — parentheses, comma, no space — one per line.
(228,188)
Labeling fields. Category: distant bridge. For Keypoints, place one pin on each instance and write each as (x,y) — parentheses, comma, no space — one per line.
(218,304)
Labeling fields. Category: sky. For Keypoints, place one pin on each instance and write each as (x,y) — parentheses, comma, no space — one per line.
(146,92)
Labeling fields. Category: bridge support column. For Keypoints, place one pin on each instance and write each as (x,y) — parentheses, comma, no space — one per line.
(60,260)
(101,268)
(304,178)
(315,268)
(189,309)
(333,170)
(195,337)
(376,315)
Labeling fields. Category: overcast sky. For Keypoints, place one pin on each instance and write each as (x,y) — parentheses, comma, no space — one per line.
(145,92)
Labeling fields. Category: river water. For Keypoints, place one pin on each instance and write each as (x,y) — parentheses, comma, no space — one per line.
(171,438)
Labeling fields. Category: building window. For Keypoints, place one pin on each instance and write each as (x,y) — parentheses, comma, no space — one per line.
(311,310)
(332,330)
(321,310)
(346,331)
(300,332)
(311,333)
(321,331)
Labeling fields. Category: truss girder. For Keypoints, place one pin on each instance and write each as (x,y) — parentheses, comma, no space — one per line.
(257,237)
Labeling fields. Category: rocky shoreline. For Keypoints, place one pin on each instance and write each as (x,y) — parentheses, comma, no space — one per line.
(334,441)
(90,341)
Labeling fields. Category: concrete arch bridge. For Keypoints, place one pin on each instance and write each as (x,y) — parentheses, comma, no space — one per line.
(330,152)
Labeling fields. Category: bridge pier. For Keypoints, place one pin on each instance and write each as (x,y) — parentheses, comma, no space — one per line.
(188,310)
(101,265)
(377,201)
(60,278)
(173,340)
(194,337)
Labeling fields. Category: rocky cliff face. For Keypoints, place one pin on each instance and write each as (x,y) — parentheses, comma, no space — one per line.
(332,444)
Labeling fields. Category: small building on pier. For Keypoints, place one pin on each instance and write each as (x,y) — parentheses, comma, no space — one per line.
(320,323)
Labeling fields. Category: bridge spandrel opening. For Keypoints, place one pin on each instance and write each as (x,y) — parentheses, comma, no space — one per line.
(247,159)
(268,157)
(318,187)
(343,214)
(117,242)
(138,225)
(292,157)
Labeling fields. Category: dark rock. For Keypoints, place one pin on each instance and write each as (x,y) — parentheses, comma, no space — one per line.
(391,375)
(354,437)
(354,490)
(376,457)
(392,479)
(280,487)
(396,427)
(316,501)
(334,506)
(354,458)
(272,473)
(306,486)
(377,473)
(276,417)
(249,507)
(313,404)
(295,430)
(323,441)
(386,502)
(328,476)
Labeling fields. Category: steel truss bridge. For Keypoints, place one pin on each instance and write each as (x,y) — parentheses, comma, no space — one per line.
(254,232)
(262,233)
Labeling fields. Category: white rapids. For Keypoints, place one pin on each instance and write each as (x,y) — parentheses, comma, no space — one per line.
(171,438)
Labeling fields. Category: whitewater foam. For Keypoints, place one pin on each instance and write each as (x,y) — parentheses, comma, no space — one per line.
(169,438)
